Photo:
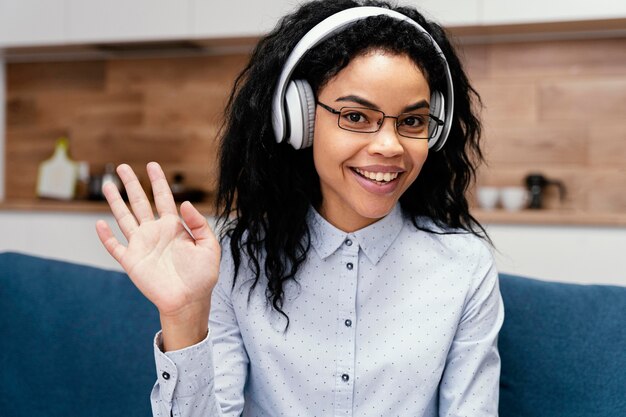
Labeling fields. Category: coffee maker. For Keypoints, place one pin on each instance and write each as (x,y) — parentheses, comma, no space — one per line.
(536,184)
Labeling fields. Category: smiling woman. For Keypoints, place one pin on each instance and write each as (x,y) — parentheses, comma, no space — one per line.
(349,277)
(355,168)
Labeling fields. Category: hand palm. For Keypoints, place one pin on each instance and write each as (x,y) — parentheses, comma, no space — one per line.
(167,266)
(172,268)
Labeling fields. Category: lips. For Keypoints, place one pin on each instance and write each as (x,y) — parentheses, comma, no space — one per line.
(377,176)
(368,179)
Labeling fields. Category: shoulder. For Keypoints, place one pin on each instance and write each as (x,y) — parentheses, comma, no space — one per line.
(450,246)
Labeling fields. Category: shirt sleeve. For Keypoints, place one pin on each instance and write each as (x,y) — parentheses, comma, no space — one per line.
(208,378)
(471,380)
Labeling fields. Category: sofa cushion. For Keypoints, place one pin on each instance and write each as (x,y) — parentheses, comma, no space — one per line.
(563,349)
(75,340)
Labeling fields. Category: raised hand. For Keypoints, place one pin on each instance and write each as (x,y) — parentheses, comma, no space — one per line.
(174,269)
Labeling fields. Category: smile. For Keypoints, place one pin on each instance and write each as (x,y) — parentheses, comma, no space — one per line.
(379,177)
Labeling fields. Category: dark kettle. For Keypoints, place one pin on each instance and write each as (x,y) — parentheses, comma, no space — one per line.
(536,184)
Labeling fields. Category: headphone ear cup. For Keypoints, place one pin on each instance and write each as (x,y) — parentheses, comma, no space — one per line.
(307,100)
(300,113)
(437,109)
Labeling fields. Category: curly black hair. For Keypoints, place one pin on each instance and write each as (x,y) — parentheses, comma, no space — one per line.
(266,188)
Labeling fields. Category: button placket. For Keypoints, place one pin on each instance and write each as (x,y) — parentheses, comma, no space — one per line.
(344,392)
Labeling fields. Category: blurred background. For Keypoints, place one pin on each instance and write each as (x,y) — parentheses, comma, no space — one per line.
(86,85)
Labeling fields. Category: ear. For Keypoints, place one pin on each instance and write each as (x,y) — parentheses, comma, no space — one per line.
(300,113)
(437,109)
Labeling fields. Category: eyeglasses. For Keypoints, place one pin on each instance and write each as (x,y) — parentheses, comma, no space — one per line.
(366,120)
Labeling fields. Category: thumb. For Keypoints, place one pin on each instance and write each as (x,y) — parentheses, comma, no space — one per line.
(197,224)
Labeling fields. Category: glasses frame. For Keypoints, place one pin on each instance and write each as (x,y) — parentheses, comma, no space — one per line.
(338,113)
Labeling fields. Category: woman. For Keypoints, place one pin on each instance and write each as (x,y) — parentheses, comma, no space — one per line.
(352,278)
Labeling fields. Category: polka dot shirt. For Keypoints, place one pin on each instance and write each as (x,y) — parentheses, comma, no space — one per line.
(385,321)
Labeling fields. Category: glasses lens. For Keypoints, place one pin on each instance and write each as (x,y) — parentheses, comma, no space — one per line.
(415,125)
(359,119)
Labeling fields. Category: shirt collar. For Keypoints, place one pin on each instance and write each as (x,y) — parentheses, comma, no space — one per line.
(374,239)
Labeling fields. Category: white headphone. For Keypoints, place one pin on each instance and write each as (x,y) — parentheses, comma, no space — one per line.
(293,105)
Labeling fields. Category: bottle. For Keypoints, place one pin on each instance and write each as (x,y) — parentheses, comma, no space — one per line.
(82,183)
(58,175)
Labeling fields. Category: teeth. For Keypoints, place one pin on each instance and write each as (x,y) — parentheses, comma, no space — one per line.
(378,176)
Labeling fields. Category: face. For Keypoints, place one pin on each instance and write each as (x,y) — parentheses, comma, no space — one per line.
(347,161)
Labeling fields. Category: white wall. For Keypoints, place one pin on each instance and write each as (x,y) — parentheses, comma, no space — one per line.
(570,254)
(583,254)
(66,236)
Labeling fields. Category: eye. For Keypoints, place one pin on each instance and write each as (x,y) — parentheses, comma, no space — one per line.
(355,117)
(413,120)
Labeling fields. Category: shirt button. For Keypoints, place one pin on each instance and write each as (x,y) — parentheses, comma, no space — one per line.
(165,375)
(348,323)
(348,242)
(349,266)
(345,377)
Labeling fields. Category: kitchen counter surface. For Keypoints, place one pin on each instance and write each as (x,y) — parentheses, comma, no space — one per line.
(550,217)
(534,217)
(80,206)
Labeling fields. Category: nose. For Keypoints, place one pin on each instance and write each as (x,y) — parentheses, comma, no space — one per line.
(386,141)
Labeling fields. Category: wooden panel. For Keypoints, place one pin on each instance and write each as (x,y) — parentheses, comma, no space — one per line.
(142,74)
(507,101)
(55,76)
(552,107)
(535,145)
(89,109)
(168,107)
(190,150)
(607,146)
(65,109)
(475,59)
(21,111)
(585,102)
(132,111)
(144,144)
(558,58)
(608,191)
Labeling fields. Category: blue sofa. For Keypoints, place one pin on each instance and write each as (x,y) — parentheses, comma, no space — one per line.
(76,341)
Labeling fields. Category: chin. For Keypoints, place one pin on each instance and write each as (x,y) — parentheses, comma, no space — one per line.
(375,210)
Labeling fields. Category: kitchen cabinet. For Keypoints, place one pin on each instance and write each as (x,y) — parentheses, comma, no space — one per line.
(252,18)
(449,12)
(497,12)
(234,18)
(31,22)
(121,20)
(58,22)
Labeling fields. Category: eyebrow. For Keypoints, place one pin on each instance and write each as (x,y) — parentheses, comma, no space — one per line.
(363,102)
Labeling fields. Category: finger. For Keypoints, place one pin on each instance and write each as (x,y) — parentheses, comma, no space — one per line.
(112,245)
(163,198)
(136,195)
(197,224)
(125,219)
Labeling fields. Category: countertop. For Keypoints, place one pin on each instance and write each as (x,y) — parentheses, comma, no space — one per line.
(534,217)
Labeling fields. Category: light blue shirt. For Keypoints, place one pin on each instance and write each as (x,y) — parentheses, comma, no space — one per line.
(386,321)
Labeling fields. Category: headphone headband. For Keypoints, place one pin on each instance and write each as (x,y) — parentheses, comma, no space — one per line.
(325,29)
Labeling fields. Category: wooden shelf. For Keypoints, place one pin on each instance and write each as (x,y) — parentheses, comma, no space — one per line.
(79,206)
(549,217)
(524,217)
